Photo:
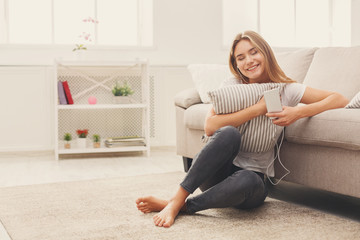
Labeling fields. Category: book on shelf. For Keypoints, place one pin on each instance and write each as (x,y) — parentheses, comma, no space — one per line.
(67,92)
(125,141)
(61,94)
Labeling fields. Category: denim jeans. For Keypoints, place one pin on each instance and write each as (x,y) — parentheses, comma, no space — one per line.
(223,184)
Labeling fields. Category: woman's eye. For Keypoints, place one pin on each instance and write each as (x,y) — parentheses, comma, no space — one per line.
(253,52)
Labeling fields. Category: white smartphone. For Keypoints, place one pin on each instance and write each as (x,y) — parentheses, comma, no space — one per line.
(272,100)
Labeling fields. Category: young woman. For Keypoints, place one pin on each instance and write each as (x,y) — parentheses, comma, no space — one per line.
(229,177)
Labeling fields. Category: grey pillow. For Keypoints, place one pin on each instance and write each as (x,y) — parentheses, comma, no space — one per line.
(258,134)
(355,102)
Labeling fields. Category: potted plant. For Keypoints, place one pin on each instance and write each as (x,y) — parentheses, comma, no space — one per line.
(81,140)
(67,139)
(122,93)
(96,140)
(86,37)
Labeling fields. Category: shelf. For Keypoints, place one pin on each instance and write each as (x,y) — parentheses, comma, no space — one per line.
(96,78)
(103,149)
(101,106)
(105,63)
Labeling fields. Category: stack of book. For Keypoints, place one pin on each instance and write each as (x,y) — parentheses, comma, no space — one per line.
(124,141)
(64,93)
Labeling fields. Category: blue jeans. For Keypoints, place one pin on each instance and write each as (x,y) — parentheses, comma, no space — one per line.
(223,184)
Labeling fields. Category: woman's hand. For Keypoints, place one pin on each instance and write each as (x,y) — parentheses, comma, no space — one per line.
(286,117)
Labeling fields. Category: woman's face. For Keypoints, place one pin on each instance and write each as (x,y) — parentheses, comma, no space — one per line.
(250,62)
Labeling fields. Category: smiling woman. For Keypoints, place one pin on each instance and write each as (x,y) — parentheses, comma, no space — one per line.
(247,60)
(229,175)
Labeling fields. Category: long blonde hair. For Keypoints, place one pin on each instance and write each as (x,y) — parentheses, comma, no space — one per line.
(271,66)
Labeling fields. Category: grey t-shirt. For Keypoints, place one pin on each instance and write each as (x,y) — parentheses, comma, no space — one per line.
(264,162)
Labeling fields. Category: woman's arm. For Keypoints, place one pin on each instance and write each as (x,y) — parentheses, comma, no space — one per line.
(316,101)
(213,121)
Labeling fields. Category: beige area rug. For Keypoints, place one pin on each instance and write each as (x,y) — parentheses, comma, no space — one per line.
(105,209)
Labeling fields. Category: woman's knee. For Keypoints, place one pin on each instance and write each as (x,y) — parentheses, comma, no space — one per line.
(249,182)
(253,187)
(228,135)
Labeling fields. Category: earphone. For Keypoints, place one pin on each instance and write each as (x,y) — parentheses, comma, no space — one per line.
(242,75)
(278,156)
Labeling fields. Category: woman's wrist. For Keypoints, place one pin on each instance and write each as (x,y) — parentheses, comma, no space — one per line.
(301,111)
(259,109)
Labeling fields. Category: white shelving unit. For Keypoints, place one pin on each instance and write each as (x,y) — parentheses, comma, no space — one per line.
(97,78)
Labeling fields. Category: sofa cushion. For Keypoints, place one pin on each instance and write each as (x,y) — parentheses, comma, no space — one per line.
(296,64)
(195,115)
(207,77)
(258,134)
(355,102)
(333,128)
(335,69)
(236,97)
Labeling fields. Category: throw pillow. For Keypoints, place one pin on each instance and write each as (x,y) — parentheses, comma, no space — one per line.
(295,64)
(335,69)
(258,134)
(355,102)
(207,77)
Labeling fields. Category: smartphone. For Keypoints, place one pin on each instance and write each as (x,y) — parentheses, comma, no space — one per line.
(272,100)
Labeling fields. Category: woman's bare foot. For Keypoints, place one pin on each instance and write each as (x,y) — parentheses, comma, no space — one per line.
(167,216)
(150,204)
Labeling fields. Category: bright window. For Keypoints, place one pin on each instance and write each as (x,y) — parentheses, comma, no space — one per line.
(120,22)
(290,23)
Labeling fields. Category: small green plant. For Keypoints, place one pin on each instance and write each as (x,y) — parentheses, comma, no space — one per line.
(79,47)
(123,90)
(67,137)
(96,138)
(96,141)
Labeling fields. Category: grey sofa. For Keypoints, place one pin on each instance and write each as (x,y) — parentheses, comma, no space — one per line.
(322,151)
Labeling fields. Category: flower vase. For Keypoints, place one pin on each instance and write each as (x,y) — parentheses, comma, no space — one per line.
(122,100)
(81,142)
(67,145)
(97,144)
(79,55)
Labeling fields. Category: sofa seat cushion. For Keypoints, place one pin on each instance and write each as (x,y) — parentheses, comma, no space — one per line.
(333,128)
(194,117)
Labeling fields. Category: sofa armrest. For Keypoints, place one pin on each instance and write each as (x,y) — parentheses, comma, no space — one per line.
(187,98)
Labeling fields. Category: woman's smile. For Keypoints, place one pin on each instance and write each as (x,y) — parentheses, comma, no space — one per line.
(252,68)
(250,62)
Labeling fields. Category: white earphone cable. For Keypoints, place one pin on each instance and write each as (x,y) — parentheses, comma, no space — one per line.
(278,156)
